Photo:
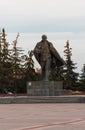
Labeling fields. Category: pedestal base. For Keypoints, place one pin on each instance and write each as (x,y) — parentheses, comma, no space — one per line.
(44,88)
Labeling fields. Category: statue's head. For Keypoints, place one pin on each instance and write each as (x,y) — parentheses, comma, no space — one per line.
(44,37)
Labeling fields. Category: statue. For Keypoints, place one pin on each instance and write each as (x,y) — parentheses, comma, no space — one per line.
(47,56)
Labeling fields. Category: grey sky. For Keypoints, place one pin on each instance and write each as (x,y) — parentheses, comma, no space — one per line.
(42,15)
(65,19)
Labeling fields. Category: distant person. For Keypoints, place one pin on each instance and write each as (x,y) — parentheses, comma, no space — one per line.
(47,56)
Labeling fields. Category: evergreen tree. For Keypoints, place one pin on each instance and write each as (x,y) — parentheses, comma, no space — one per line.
(16,53)
(82,79)
(57,74)
(29,70)
(4,61)
(70,77)
(13,72)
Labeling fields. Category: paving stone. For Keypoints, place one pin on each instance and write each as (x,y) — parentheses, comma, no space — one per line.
(42,116)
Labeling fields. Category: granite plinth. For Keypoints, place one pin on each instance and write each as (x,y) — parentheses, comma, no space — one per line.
(44,88)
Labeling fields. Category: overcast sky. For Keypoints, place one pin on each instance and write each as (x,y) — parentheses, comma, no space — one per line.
(42,15)
(61,20)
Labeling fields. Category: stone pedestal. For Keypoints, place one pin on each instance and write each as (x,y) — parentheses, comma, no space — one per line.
(44,88)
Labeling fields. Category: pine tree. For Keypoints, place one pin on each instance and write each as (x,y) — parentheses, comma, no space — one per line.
(16,53)
(29,66)
(57,74)
(4,61)
(70,77)
(82,79)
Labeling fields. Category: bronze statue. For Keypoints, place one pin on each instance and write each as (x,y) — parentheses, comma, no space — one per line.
(47,56)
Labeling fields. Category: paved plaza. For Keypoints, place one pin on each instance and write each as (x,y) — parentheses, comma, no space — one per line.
(42,116)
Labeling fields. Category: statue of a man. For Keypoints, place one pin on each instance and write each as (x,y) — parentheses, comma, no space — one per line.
(47,56)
